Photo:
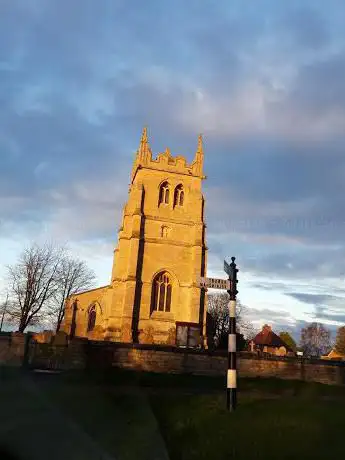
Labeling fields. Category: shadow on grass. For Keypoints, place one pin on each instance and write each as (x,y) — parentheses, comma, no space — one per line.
(6,454)
(275,418)
(273,387)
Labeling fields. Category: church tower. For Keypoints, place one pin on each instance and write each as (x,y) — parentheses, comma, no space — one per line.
(161,250)
(154,294)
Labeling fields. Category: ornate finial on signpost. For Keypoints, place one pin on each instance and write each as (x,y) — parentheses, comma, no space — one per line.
(233,279)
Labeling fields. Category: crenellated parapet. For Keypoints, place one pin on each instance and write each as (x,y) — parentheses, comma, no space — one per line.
(166,162)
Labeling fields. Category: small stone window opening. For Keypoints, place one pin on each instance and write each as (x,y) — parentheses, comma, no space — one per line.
(92,319)
(164,193)
(164,231)
(161,293)
(179,196)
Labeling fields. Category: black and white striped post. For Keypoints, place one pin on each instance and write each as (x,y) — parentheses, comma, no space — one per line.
(231,396)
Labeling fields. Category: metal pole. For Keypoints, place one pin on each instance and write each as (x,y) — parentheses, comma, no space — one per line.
(231,396)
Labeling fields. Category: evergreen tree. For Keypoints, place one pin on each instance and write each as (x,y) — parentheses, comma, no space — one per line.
(287,338)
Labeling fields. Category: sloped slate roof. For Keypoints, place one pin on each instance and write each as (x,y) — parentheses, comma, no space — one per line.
(269,338)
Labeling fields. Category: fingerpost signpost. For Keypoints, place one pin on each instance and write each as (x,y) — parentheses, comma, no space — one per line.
(231,391)
(229,285)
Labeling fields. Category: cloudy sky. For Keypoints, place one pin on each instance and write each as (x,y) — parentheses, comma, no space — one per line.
(262,80)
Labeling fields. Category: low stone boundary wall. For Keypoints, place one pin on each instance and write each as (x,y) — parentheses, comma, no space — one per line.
(22,350)
(12,348)
(153,358)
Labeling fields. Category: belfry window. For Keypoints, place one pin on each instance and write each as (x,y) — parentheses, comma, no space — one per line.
(164,193)
(91,319)
(179,196)
(161,293)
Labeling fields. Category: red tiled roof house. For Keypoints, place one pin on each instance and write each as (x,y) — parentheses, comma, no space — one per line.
(267,341)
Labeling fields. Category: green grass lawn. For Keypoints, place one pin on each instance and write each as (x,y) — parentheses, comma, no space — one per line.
(128,414)
(275,419)
(199,427)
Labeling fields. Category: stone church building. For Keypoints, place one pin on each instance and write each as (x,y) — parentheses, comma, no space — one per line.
(154,294)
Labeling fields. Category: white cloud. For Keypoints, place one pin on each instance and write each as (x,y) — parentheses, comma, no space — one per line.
(87,209)
(258,109)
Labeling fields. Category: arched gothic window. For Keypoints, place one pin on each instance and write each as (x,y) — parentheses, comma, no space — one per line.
(179,196)
(161,293)
(91,319)
(164,193)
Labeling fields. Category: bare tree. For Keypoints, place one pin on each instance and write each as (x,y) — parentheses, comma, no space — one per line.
(219,314)
(32,284)
(315,340)
(72,276)
(218,309)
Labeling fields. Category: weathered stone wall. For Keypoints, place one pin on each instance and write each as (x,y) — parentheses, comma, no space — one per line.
(177,360)
(16,350)
(12,348)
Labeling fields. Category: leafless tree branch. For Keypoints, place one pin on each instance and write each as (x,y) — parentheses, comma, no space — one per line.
(40,282)
(219,312)
(33,282)
(315,340)
(73,276)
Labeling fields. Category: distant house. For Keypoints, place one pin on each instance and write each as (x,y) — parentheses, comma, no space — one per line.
(334,355)
(268,342)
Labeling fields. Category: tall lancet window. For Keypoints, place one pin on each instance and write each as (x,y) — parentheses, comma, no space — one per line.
(164,193)
(91,323)
(161,293)
(179,196)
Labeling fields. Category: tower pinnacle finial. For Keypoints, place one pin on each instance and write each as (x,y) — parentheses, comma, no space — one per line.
(143,155)
(144,136)
(144,151)
(200,145)
(198,162)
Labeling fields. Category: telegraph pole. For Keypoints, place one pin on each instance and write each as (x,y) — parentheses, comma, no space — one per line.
(231,390)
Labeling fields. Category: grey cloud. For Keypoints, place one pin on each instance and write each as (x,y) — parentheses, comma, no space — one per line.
(270,286)
(302,26)
(102,80)
(279,320)
(284,260)
(263,171)
(320,85)
(302,265)
(272,315)
(338,317)
(327,307)
(283,194)
(79,211)
(315,298)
